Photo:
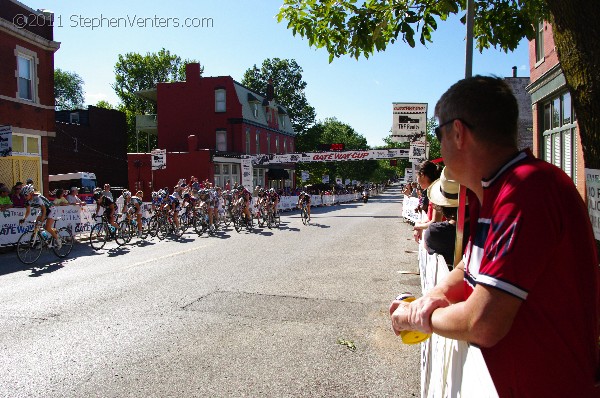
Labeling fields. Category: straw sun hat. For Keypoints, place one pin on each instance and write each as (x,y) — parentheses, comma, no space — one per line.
(443,192)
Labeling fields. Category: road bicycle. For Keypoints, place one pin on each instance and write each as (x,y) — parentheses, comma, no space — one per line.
(34,240)
(102,232)
(304,213)
(166,225)
(273,218)
(128,228)
(240,221)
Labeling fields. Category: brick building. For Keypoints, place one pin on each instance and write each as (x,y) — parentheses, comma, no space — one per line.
(27,52)
(90,140)
(206,124)
(555,133)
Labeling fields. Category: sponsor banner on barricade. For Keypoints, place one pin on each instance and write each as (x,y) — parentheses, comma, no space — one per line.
(449,368)
(409,204)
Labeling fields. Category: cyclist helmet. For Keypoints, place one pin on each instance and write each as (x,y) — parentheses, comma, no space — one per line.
(97,195)
(126,194)
(187,195)
(241,188)
(154,195)
(162,193)
(27,189)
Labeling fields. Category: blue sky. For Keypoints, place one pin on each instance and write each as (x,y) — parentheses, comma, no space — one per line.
(244,33)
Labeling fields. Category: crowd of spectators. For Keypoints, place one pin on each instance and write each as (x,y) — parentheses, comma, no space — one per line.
(11,197)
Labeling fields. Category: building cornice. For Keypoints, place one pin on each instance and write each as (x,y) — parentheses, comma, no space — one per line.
(26,102)
(551,74)
(262,126)
(32,38)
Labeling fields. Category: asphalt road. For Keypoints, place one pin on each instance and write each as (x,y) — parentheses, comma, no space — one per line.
(297,312)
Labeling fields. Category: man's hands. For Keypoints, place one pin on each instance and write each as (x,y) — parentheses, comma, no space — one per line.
(415,315)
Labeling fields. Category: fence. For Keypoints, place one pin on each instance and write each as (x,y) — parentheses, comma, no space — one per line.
(449,368)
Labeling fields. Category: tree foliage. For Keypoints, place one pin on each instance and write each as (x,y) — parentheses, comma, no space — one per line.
(289,87)
(104,104)
(136,72)
(68,90)
(343,27)
(331,131)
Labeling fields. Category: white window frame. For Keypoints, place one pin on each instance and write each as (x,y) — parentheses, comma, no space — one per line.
(26,151)
(223,135)
(277,144)
(220,100)
(268,143)
(247,141)
(31,56)
(255,109)
(559,136)
(257,139)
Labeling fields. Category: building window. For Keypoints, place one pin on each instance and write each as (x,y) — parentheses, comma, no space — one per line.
(220,104)
(25,66)
(281,121)
(257,141)
(285,145)
(221,140)
(559,134)
(255,109)
(258,177)
(277,144)
(291,146)
(26,145)
(247,141)
(539,42)
(225,172)
(74,117)
(268,142)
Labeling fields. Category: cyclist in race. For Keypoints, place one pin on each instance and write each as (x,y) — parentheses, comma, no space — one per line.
(304,198)
(134,207)
(172,203)
(262,201)
(244,202)
(273,199)
(109,208)
(38,201)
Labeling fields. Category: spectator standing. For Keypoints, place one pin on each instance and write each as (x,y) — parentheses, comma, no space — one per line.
(526,291)
(60,199)
(427,173)
(17,199)
(72,197)
(107,192)
(5,201)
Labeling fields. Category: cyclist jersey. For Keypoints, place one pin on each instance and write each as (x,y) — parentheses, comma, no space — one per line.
(135,201)
(157,201)
(273,196)
(173,199)
(305,198)
(106,202)
(38,201)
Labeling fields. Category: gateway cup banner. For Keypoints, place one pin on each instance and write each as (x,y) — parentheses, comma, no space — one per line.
(309,157)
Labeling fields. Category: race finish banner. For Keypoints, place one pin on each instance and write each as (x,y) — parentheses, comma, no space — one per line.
(308,157)
(409,122)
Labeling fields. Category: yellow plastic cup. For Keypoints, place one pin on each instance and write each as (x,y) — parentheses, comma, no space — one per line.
(411,336)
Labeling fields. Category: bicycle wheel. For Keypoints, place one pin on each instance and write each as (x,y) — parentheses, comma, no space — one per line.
(226,219)
(98,236)
(125,231)
(145,228)
(153,226)
(269,220)
(122,235)
(66,239)
(162,228)
(177,232)
(277,219)
(238,221)
(184,223)
(29,247)
(304,216)
(250,224)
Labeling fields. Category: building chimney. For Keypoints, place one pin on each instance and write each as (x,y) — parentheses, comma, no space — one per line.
(514,68)
(192,72)
(192,142)
(270,90)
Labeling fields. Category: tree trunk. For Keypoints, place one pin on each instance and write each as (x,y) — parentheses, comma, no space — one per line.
(576,28)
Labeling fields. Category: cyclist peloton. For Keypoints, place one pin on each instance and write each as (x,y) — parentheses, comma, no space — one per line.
(109,208)
(37,200)
(304,198)
(134,207)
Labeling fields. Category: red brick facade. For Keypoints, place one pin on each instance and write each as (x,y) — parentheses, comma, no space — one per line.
(28,117)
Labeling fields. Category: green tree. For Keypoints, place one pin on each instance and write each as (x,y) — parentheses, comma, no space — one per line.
(68,90)
(331,131)
(345,28)
(136,72)
(104,104)
(289,88)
